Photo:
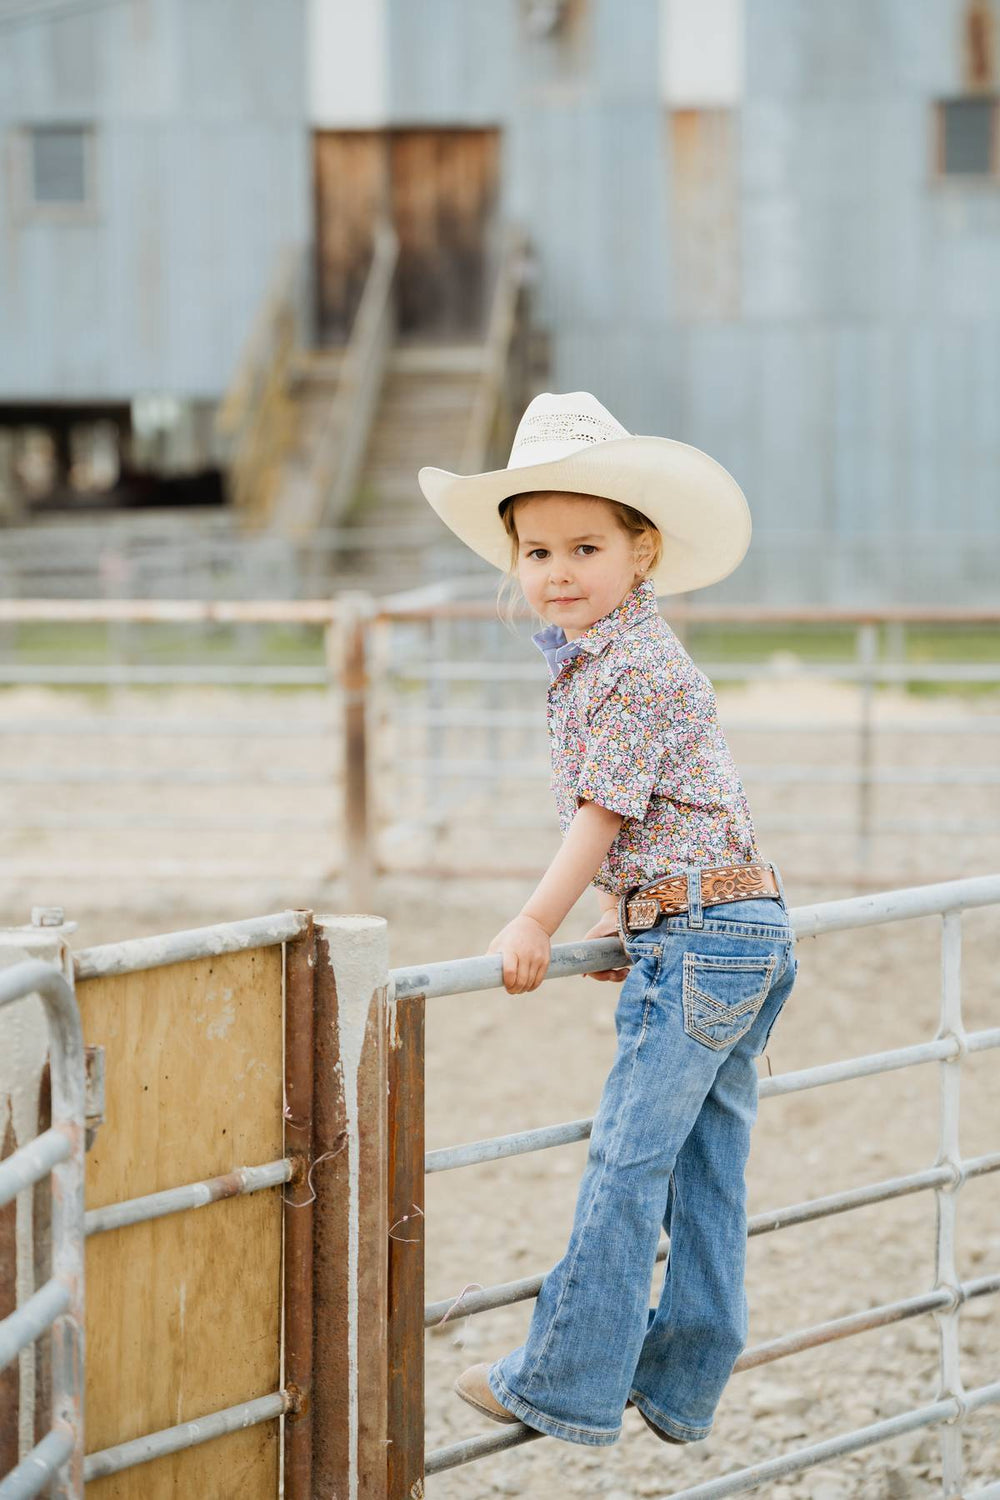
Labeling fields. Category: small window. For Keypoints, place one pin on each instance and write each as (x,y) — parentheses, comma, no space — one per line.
(967,137)
(60,165)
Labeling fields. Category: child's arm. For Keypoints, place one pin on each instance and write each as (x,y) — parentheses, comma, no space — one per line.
(525,941)
(587,841)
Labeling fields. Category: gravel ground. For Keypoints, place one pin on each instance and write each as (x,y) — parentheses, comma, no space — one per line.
(496,1063)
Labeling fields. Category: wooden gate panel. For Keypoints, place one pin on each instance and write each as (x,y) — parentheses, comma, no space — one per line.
(350,188)
(444,190)
(440,188)
(183,1313)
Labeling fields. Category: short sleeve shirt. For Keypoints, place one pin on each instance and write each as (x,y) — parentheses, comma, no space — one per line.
(633,726)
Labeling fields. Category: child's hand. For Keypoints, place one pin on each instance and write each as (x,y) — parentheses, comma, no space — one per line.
(527,953)
(607,926)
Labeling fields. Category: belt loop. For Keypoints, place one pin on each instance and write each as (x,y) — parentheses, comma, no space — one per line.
(695,915)
(779,883)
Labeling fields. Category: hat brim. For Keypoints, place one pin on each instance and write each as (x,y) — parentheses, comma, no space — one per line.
(697,505)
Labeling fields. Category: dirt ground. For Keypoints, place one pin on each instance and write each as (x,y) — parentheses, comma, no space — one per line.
(496,1063)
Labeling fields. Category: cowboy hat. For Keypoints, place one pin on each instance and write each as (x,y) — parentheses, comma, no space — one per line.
(572,442)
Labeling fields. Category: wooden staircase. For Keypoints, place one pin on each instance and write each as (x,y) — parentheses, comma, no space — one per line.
(388,538)
(324,444)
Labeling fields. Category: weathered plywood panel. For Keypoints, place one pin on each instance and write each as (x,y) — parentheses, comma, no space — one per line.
(351,189)
(183,1313)
(440,189)
(444,186)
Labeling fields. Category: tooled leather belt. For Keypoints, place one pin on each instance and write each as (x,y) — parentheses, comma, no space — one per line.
(641,906)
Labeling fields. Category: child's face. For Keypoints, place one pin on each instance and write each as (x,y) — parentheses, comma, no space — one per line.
(574,561)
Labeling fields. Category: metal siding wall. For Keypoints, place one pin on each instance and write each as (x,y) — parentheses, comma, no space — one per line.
(203,174)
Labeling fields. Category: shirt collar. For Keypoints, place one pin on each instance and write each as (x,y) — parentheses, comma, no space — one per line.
(638,605)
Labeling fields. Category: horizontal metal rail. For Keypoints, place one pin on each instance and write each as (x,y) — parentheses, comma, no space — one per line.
(503,1294)
(459,976)
(777,823)
(39,1467)
(172,727)
(235,1184)
(325,611)
(456,718)
(186,1435)
(240,822)
(308,876)
(505,718)
(940,1299)
(133,954)
(532,770)
(147,676)
(33,1161)
(521,1142)
(162,776)
(29,1321)
(743,1480)
(451,670)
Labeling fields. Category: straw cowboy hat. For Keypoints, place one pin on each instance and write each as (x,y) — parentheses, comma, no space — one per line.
(572,442)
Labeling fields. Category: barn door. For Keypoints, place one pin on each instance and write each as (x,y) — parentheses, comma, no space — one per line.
(440,189)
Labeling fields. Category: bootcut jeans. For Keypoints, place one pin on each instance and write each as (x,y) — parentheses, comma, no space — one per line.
(668,1145)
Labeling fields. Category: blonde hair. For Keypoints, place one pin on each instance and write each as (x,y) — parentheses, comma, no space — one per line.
(627,517)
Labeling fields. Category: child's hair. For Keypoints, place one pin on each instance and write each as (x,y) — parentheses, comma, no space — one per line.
(628,518)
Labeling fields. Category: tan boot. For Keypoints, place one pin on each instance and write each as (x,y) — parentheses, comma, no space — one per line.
(665,1437)
(473,1387)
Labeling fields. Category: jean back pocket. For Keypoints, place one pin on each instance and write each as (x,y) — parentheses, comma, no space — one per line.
(723,993)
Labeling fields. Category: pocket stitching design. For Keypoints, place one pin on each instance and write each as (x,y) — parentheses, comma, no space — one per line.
(742,963)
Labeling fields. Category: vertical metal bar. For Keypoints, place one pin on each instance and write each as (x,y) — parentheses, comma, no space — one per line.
(34,976)
(300,968)
(345,653)
(867,651)
(381,735)
(10,1378)
(41,1248)
(350,1177)
(946,1200)
(437,801)
(405,1426)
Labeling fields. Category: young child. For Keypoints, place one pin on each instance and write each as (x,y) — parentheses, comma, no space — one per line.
(594,523)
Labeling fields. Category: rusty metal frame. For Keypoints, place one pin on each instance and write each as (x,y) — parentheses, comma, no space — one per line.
(57,1460)
(297,1261)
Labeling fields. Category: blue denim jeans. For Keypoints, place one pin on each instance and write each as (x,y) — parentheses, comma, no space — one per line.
(668,1145)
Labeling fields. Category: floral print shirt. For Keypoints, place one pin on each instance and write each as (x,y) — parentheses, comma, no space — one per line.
(633,726)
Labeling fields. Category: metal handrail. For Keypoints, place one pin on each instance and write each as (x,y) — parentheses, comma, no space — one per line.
(502,328)
(340,453)
(252,422)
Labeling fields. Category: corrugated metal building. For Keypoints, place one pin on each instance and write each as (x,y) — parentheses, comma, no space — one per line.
(181,127)
(769,228)
(766,227)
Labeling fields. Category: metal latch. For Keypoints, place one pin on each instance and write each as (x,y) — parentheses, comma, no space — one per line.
(93,1093)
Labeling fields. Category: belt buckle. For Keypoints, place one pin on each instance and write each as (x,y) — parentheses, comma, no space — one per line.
(635,915)
(643,913)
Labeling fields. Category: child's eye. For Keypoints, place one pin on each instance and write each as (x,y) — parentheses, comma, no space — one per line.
(590,546)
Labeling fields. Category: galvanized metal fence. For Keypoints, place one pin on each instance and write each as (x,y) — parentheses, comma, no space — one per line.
(412,987)
(418,717)
(354,1162)
(316,1174)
